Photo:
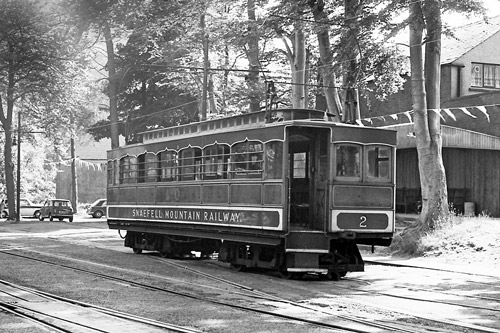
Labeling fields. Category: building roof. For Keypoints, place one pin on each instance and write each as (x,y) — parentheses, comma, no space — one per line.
(453,137)
(467,37)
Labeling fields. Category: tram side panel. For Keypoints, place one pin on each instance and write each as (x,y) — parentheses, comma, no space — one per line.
(167,223)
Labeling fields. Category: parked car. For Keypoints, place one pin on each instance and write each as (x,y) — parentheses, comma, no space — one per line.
(28,209)
(57,208)
(98,208)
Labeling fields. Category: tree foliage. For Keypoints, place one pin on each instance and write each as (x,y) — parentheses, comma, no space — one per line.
(163,60)
(31,60)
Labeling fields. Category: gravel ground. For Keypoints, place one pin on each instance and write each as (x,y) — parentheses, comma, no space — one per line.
(63,238)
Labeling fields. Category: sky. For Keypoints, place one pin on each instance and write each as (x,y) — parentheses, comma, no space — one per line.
(492,9)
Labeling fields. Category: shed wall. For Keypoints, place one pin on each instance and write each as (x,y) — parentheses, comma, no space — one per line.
(477,171)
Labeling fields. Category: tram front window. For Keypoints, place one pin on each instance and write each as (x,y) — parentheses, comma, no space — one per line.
(348,161)
(379,163)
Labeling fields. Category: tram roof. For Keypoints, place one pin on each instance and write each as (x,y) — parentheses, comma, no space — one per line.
(241,122)
(249,126)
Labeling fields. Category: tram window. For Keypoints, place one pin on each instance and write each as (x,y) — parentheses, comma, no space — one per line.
(168,166)
(273,160)
(110,172)
(190,163)
(378,161)
(215,160)
(246,159)
(148,168)
(299,165)
(116,172)
(128,170)
(348,161)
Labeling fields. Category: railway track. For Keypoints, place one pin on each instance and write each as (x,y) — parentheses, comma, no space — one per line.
(343,326)
(59,314)
(343,322)
(475,328)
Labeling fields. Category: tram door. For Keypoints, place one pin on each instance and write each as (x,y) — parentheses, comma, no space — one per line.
(308,158)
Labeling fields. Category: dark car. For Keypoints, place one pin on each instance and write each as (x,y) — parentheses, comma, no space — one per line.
(56,208)
(98,208)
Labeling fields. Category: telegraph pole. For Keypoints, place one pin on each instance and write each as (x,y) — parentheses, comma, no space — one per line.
(18,199)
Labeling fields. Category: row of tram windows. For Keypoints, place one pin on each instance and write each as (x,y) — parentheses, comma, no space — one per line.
(250,160)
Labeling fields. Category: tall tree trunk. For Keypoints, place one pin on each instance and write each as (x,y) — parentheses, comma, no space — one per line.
(6,119)
(112,88)
(253,58)
(351,111)
(326,58)
(206,65)
(432,172)
(427,126)
(307,77)
(297,57)
(298,62)
(211,97)
(74,179)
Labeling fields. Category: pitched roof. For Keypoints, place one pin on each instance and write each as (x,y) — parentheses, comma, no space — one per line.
(453,137)
(467,37)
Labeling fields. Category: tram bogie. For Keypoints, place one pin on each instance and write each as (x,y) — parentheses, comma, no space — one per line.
(296,194)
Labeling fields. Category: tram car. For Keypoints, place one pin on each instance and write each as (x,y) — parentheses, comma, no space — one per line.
(286,189)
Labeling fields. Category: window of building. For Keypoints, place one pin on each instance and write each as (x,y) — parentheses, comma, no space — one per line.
(485,75)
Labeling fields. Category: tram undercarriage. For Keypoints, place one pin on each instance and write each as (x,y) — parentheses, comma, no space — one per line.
(171,246)
(343,255)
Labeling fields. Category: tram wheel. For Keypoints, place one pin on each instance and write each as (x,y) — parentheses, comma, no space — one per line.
(237,267)
(331,275)
(137,251)
(290,275)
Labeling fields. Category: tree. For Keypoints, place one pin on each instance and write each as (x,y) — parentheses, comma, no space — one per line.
(295,48)
(30,60)
(425,79)
(99,15)
(329,79)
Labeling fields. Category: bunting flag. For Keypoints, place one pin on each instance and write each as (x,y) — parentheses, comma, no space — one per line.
(408,115)
(450,114)
(448,111)
(81,163)
(482,108)
(464,110)
(438,111)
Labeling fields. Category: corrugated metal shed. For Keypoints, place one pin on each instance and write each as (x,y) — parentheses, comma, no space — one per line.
(453,137)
